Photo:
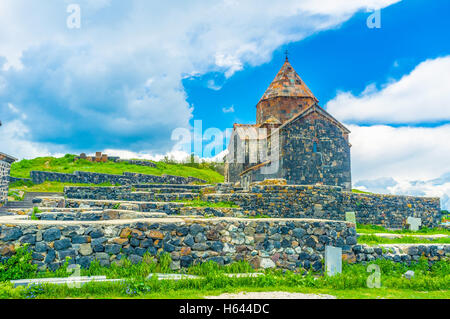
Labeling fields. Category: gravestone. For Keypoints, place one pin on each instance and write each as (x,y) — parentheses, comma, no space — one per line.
(333,260)
(350,217)
(414,223)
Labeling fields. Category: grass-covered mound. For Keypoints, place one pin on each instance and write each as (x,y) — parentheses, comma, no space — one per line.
(206,171)
(377,240)
(373,229)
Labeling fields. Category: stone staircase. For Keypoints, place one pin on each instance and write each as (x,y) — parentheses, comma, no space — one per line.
(27,201)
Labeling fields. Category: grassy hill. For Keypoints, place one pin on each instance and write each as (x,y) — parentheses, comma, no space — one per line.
(206,171)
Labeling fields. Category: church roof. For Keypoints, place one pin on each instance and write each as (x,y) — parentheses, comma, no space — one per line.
(272,120)
(288,83)
(315,108)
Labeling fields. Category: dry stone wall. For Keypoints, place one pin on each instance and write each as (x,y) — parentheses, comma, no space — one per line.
(283,243)
(328,202)
(289,201)
(39,177)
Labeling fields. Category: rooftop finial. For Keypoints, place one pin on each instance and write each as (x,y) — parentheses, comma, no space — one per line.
(287,54)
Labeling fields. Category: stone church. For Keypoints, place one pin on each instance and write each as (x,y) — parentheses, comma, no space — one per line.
(293,138)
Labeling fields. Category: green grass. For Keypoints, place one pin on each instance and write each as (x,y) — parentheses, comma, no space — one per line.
(428,282)
(54,187)
(66,164)
(360,192)
(375,240)
(372,229)
(15,194)
(116,291)
(257,216)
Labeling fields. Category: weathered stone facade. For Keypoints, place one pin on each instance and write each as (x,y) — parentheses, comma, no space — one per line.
(312,150)
(294,138)
(105,224)
(5,167)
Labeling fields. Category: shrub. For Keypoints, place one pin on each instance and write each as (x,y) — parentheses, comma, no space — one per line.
(18,266)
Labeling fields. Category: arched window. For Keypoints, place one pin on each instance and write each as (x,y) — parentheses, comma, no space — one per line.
(315,147)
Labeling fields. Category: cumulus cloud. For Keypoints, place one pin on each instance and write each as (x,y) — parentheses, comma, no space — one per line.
(407,153)
(402,160)
(15,140)
(422,96)
(116,82)
(395,149)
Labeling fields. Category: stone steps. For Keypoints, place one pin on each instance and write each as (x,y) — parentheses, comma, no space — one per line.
(47,194)
(19,204)
(173,186)
(74,281)
(28,200)
(167,190)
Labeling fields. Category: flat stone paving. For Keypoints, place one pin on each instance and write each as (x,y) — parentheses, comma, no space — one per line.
(271,295)
(62,281)
(175,277)
(386,235)
(84,280)
(245,275)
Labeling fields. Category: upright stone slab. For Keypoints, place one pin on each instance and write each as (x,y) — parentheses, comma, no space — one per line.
(333,260)
(350,217)
(414,223)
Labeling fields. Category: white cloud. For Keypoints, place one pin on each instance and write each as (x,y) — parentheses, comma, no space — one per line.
(404,153)
(401,159)
(116,82)
(228,109)
(419,97)
(15,141)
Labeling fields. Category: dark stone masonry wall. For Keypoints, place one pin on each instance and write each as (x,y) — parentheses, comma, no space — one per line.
(392,210)
(4,181)
(329,202)
(5,167)
(169,208)
(39,177)
(124,194)
(137,162)
(18,179)
(328,162)
(263,243)
(312,150)
(401,253)
(290,201)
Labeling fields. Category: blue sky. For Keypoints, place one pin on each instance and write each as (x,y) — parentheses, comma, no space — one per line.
(135,71)
(346,58)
